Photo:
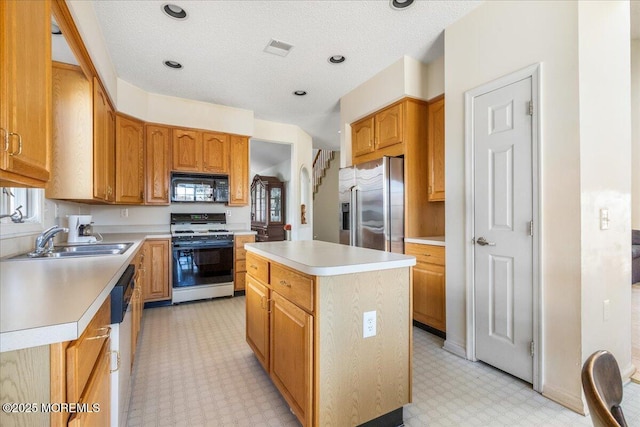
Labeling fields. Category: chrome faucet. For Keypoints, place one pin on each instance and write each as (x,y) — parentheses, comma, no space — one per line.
(46,239)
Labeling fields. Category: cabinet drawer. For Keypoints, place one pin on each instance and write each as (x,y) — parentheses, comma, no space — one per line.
(296,287)
(258,267)
(82,353)
(241,265)
(426,253)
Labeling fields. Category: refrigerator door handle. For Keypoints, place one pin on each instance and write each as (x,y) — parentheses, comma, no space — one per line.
(353,212)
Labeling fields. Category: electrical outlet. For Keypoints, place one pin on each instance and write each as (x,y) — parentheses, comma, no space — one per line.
(369,324)
(228,213)
(124,213)
(606,310)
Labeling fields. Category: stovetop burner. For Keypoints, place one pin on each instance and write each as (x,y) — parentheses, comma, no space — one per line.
(199,226)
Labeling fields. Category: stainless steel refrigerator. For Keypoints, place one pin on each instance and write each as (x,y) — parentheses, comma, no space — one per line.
(372,205)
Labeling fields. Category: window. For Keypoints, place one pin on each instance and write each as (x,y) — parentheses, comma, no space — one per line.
(25,205)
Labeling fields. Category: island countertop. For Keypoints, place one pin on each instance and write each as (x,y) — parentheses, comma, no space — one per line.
(319,258)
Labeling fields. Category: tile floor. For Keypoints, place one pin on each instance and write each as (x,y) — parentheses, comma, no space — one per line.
(194,368)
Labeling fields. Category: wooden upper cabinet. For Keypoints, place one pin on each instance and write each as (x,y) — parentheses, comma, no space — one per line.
(103,145)
(25,92)
(362,135)
(158,164)
(380,134)
(239,171)
(129,160)
(187,150)
(435,143)
(389,123)
(215,152)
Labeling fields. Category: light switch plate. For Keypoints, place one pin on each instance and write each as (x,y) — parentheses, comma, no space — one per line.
(604,219)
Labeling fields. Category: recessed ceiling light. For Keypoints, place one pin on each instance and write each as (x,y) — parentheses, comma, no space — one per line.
(55,30)
(174,11)
(300,92)
(337,59)
(400,4)
(173,64)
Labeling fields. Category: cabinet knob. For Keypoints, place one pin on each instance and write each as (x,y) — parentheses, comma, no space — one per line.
(285,283)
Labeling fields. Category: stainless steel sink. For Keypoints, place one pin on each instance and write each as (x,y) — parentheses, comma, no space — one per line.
(85,250)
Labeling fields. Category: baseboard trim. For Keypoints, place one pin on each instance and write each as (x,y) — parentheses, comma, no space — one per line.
(627,372)
(565,398)
(455,348)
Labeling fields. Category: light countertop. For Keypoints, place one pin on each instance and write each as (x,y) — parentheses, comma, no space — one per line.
(431,240)
(46,301)
(319,258)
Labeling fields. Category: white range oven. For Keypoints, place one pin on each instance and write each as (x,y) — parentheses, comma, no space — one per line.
(202,256)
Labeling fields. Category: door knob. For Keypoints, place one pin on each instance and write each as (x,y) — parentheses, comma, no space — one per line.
(483,242)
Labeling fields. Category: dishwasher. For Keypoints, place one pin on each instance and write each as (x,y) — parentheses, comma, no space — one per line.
(121,346)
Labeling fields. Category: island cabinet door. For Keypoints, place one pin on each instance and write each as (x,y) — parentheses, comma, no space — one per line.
(257,301)
(292,355)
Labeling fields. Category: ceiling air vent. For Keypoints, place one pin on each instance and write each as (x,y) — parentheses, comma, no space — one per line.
(278,47)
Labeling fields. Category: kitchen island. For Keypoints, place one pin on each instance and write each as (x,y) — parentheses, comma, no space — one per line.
(331,325)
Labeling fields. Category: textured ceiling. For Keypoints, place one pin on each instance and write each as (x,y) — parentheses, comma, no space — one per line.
(221,46)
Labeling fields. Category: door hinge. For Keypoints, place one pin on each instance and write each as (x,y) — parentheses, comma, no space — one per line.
(532,348)
(531,228)
(531,108)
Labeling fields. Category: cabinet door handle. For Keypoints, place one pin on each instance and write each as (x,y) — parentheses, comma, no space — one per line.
(16,153)
(255,267)
(285,283)
(103,334)
(117,353)
(426,254)
(269,305)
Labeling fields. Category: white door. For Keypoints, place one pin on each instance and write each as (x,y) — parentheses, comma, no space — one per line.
(503,248)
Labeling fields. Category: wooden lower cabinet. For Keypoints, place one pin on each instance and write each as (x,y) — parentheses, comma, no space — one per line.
(80,372)
(321,365)
(429,293)
(97,394)
(157,270)
(137,303)
(240,260)
(257,333)
(291,355)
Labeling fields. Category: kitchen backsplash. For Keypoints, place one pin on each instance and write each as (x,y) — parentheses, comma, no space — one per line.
(118,219)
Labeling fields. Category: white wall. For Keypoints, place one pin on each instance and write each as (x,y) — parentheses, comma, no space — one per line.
(170,110)
(301,156)
(635,133)
(605,151)
(88,26)
(405,77)
(326,212)
(494,40)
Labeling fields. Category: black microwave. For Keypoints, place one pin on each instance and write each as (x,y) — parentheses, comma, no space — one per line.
(199,188)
